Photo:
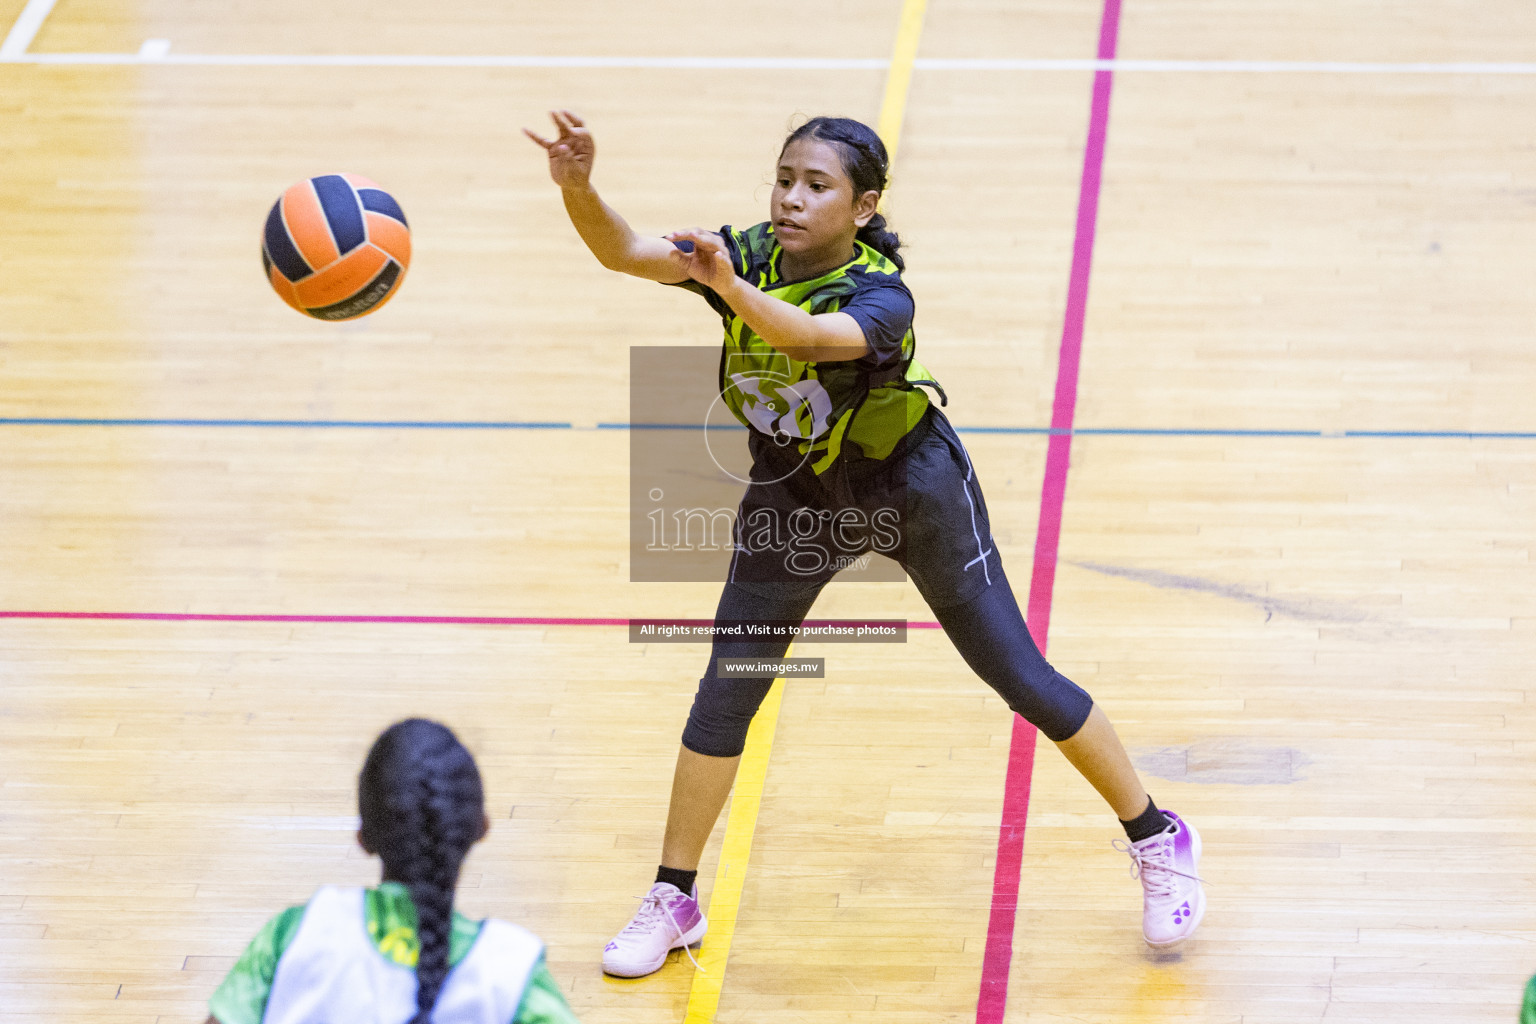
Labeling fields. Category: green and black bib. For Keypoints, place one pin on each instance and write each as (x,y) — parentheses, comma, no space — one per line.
(819,406)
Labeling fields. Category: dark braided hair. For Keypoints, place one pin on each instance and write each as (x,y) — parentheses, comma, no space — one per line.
(422,808)
(867,166)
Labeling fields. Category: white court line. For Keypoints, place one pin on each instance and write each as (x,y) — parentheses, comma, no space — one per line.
(1233,66)
(400,60)
(25,30)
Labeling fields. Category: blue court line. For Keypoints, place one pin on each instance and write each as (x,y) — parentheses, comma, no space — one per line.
(1522,434)
(1153,431)
(68,421)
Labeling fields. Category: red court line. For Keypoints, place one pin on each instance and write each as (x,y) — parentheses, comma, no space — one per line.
(433,620)
(992,1001)
(429,620)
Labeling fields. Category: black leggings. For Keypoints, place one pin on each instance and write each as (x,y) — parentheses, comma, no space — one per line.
(988,631)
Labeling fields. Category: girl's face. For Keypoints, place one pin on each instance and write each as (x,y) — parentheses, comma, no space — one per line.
(814,210)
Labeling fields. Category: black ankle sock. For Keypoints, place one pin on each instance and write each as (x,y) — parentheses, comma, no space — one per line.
(1146,824)
(682,879)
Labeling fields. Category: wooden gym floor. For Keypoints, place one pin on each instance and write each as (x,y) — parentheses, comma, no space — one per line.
(1295,552)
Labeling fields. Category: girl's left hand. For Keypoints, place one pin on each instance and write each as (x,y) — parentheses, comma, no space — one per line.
(708,263)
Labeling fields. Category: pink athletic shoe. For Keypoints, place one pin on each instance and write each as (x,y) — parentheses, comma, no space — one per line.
(665,921)
(1173,900)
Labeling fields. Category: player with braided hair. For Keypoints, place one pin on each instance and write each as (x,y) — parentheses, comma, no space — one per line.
(383,955)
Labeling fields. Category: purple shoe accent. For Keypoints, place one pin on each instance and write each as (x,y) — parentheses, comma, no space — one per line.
(1182,840)
(685,912)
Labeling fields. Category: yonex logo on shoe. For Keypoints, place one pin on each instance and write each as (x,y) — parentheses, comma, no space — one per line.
(1182,913)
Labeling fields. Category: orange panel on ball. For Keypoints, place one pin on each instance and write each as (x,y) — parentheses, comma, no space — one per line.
(284,288)
(343,279)
(307,226)
(390,235)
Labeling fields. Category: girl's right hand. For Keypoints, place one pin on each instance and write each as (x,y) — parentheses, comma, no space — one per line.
(701,255)
(571,152)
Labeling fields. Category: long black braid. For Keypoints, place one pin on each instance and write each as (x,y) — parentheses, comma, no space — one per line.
(422,808)
(867,166)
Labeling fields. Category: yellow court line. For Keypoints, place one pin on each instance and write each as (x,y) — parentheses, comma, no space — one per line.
(731,874)
(898,80)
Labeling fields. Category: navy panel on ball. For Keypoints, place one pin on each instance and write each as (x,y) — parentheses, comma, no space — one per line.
(280,248)
(341,210)
(380,201)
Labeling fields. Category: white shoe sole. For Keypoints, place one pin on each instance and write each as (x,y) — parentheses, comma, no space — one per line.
(689,938)
(1199,914)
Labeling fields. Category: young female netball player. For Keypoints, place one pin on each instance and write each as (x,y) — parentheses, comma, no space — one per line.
(819,364)
(398,952)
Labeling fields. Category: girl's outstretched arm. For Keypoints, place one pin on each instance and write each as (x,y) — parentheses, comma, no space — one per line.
(610,238)
(810,338)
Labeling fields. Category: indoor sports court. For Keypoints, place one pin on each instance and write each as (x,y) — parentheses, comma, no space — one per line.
(1232,304)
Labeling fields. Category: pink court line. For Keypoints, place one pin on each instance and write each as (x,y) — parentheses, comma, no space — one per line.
(426,620)
(431,620)
(992,1000)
